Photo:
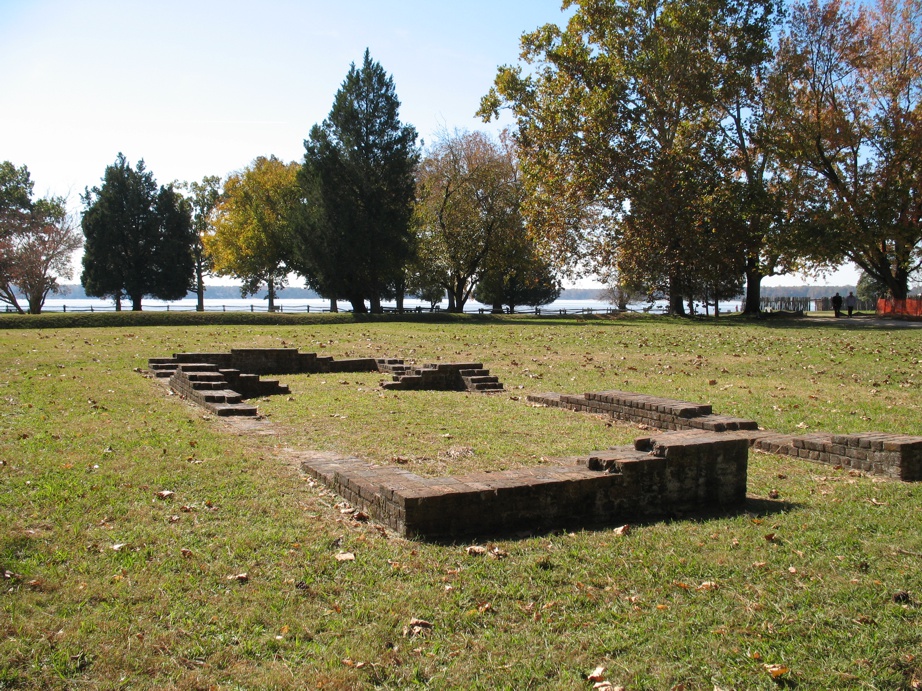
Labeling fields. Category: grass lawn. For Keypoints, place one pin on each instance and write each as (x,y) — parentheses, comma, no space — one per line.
(111,582)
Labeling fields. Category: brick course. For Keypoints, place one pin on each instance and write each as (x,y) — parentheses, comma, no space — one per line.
(896,456)
(670,473)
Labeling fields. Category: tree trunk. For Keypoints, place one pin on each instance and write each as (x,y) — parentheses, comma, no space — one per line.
(199,288)
(375,302)
(358,304)
(497,308)
(118,302)
(333,306)
(676,305)
(271,285)
(136,302)
(35,304)
(456,297)
(754,278)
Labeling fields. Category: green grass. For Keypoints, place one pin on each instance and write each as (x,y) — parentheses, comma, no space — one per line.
(87,443)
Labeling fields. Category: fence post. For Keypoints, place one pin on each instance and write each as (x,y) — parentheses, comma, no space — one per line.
(251,307)
(64,307)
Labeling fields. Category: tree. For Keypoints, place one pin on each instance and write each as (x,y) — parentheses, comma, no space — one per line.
(15,205)
(204,198)
(138,239)
(252,226)
(850,131)
(468,198)
(517,274)
(870,290)
(354,239)
(617,120)
(37,241)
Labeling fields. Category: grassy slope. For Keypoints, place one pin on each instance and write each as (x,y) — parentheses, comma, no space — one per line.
(86,443)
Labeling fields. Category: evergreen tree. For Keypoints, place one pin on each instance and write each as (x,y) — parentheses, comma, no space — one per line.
(354,238)
(138,238)
(517,274)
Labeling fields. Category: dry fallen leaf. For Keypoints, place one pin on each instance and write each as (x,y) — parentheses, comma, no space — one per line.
(708,585)
(165,494)
(345,556)
(118,546)
(415,627)
(598,674)
(240,577)
(622,530)
(476,550)
(776,670)
(185,552)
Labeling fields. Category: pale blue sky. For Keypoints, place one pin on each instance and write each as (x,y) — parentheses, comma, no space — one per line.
(200,87)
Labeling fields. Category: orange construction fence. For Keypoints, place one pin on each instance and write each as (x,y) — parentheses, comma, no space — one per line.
(910,307)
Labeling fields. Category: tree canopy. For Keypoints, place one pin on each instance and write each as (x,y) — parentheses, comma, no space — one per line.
(354,239)
(850,133)
(203,197)
(623,154)
(138,238)
(37,241)
(253,226)
(468,199)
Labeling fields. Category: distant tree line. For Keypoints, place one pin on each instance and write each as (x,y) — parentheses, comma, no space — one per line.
(679,149)
(366,216)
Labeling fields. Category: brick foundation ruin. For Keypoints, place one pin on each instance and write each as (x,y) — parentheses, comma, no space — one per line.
(221,381)
(662,475)
(897,456)
(698,463)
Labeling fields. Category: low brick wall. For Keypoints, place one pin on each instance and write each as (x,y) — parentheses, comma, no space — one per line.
(264,361)
(668,474)
(896,456)
(661,413)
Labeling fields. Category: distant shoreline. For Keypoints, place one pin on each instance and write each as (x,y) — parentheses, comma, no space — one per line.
(225,292)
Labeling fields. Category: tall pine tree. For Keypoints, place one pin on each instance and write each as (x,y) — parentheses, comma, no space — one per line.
(354,239)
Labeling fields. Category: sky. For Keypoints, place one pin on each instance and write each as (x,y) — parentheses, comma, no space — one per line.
(200,88)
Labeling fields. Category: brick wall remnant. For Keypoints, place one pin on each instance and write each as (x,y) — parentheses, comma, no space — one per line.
(660,413)
(668,474)
(443,376)
(896,456)
(219,381)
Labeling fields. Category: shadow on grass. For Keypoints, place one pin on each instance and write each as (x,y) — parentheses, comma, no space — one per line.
(753,506)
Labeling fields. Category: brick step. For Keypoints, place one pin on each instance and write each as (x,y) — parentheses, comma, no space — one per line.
(208,385)
(190,367)
(233,409)
(486,387)
(205,376)
(221,396)
(480,379)
(474,372)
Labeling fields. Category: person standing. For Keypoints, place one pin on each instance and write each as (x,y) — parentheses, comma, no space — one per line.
(850,302)
(837,304)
